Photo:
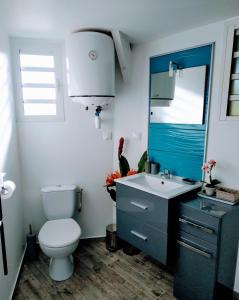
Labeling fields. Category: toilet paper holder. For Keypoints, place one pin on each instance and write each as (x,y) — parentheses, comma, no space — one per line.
(3,190)
(7,189)
(2,234)
(79,192)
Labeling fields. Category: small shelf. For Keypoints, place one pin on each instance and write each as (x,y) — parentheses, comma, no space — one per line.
(236,54)
(234,97)
(235,76)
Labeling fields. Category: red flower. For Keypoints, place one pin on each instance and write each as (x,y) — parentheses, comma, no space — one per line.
(111,178)
(131,172)
(212,162)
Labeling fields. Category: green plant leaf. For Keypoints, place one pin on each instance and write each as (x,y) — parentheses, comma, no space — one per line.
(141,164)
(112,193)
(215,182)
(123,165)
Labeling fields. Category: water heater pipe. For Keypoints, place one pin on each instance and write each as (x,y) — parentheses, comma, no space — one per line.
(97,117)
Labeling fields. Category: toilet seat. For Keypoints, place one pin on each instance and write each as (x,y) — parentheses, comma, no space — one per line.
(59,233)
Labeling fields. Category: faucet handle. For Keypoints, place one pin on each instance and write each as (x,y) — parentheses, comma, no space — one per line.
(166,172)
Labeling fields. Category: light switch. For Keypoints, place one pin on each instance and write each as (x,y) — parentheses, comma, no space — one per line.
(136,135)
(107,135)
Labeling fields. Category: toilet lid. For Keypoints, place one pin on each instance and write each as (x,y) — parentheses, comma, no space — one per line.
(59,233)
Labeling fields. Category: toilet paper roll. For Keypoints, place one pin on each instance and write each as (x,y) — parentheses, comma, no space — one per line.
(8,189)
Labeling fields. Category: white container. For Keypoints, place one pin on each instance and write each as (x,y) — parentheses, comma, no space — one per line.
(91,68)
(59,201)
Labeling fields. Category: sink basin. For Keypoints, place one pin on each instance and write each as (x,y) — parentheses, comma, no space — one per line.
(155,184)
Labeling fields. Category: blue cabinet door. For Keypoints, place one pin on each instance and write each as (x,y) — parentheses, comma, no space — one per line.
(196,269)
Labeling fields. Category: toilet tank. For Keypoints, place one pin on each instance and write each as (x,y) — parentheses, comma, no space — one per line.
(59,201)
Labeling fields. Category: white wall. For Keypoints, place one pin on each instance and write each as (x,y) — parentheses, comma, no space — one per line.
(9,163)
(131,108)
(69,152)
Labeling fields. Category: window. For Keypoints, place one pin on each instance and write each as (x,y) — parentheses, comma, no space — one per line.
(38,79)
(233,103)
(230,73)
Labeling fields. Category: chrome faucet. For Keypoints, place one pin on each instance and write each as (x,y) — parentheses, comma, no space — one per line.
(166,174)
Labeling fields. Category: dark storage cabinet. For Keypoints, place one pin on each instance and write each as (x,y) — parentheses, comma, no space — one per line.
(207,244)
(142,221)
(147,221)
(196,236)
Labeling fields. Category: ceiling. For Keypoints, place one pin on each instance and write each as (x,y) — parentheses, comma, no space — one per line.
(141,20)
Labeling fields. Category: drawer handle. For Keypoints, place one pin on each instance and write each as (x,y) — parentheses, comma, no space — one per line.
(144,207)
(198,251)
(139,235)
(203,228)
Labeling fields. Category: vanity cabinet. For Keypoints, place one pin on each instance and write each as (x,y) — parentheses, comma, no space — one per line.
(142,221)
(207,245)
(147,222)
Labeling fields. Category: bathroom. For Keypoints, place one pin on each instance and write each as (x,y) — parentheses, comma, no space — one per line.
(71,151)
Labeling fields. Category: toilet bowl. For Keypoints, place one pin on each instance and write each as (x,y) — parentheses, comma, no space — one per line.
(58,239)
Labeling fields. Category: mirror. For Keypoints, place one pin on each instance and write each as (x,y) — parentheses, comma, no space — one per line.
(178,99)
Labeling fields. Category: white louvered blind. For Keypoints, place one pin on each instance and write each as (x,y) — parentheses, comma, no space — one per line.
(38,66)
(38,83)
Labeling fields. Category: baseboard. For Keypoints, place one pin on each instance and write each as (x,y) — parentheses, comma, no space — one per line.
(92,237)
(18,273)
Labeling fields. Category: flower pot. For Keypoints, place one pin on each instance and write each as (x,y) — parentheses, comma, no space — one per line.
(210,191)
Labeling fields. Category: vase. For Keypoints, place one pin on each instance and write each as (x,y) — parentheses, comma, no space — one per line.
(210,191)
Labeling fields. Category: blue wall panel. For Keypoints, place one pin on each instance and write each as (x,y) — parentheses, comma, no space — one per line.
(180,140)
(180,147)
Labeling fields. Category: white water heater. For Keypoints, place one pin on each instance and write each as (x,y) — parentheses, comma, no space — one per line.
(91,68)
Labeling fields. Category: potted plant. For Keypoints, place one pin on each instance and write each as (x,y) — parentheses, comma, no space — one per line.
(124,170)
(210,187)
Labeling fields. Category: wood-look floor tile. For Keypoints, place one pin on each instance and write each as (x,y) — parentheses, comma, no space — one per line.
(99,274)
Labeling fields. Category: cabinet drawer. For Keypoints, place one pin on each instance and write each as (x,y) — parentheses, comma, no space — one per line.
(202,245)
(143,206)
(195,269)
(142,235)
(198,223)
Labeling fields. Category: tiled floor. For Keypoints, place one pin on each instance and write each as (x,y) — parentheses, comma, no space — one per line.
(99,274)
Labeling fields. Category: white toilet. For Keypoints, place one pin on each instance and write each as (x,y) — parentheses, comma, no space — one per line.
(60,235)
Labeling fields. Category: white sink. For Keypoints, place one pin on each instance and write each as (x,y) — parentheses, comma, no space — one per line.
(155,184)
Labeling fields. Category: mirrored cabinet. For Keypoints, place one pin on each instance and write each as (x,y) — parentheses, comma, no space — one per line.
(230,86)
(162,86)
(178,99)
